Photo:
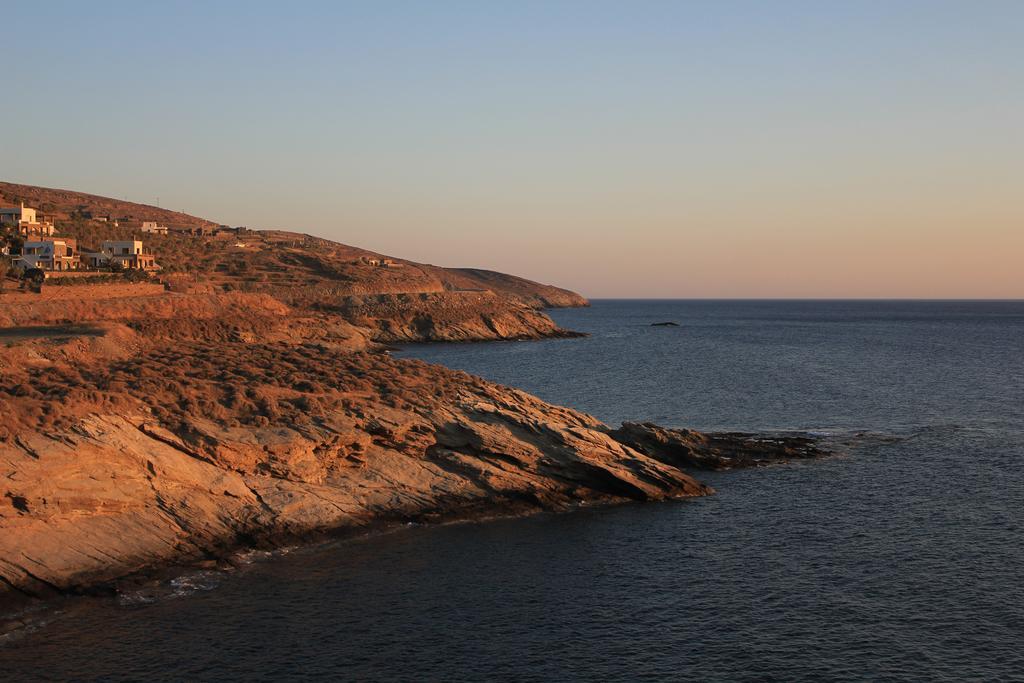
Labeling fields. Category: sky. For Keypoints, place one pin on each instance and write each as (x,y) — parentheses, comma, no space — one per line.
(712,149)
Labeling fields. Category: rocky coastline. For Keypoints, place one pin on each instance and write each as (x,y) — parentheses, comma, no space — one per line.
(158,424)
(184,439)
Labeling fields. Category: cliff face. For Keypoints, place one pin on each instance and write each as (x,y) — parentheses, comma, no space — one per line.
(447,316)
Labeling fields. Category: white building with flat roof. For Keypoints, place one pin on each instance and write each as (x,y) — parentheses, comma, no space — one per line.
(50,253)
(153,228)
(12,215)
(25,220)
(128,254)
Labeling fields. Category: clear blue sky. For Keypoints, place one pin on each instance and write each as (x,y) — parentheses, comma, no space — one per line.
(717,148)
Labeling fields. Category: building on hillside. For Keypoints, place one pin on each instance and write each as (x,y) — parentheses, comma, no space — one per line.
(239,230)
(49,253)
(100,216)
(26,220)
(153,228)
(226,232)
(196,231)
(379,262)
(127,254)
(15,215)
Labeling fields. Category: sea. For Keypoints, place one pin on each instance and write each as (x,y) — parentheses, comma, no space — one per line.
(899,558)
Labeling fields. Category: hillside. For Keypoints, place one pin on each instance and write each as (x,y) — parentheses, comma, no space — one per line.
(63,205)
(293,266)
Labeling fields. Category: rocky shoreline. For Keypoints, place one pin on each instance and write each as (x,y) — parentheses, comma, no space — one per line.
(199,529)
(100,499)
(179,441)
(144,426)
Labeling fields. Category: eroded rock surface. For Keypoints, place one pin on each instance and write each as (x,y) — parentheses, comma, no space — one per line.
(185,453)
(690,449)
(446,316)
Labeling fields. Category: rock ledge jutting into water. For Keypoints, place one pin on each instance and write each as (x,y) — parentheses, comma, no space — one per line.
(686,448)
(200,452)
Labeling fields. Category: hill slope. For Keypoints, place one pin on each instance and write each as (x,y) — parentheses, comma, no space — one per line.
(62,205)
(271,260)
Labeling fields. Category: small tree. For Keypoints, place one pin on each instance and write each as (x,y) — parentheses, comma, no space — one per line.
(34,278)
(12,240)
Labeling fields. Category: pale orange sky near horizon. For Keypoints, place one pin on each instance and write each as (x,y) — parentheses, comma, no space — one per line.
(722,150)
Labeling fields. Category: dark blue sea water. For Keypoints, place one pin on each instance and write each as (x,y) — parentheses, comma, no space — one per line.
(900,560)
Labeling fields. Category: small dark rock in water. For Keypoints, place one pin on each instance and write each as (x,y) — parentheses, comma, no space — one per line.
(668,324)
(686,448)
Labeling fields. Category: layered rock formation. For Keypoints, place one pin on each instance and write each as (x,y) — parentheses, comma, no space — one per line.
(186,454)
(690,449)
(446,316)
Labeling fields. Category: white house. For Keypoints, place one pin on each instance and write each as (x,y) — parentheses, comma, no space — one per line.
(54,253)
(13,215)
(153,228)
(25,219)
(128,254)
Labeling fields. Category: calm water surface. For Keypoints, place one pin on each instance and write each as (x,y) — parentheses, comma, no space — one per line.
(901,559)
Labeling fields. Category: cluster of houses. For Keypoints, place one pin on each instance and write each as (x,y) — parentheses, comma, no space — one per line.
(145,226)
(62,253)
(44,250)
(152,227)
